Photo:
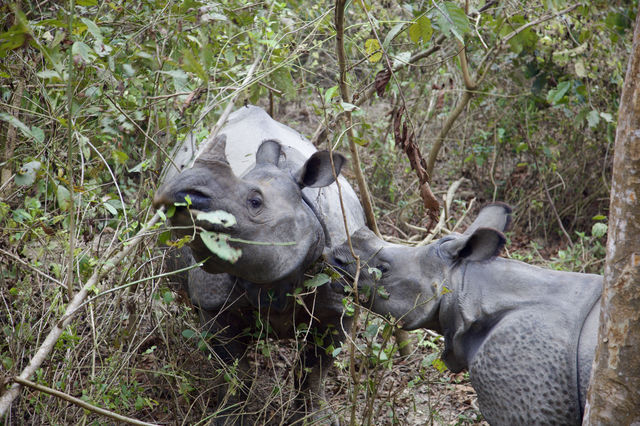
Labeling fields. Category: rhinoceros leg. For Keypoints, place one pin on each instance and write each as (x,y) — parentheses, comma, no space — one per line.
(222,309)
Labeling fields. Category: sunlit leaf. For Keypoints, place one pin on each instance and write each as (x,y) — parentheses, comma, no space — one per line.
(607,117)
(330,93)
(218,217)
(348,107)
(421,29)
(372,47)
(599,229)
(218,244)
(49,74)
(27,174)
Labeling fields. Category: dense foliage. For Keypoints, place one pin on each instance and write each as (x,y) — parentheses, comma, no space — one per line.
(92,102)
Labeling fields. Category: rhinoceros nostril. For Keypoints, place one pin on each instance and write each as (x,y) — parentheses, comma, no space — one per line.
(338,260)
(196,199)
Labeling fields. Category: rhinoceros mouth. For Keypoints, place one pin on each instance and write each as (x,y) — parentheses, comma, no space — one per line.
(193,199)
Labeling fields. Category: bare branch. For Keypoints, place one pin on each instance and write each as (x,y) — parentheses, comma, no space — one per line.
(344,92)
(79,402)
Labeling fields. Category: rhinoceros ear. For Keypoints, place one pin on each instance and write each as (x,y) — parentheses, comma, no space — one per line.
(214,152)
(496,216)
(483,244)
(268,152)
(316,171)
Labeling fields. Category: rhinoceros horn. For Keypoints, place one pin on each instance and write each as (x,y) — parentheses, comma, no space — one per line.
(213,153)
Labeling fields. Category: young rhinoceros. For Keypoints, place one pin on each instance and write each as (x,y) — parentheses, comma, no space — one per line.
(282,195)
(527,335)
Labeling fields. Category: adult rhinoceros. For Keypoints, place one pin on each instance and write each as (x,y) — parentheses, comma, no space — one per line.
(526,334)
(283,197)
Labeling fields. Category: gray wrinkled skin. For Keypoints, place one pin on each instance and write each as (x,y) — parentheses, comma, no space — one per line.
(258,170)
(229,178)
(526,334)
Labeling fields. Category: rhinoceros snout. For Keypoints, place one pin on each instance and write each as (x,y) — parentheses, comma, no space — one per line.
(341,261)
(194,199)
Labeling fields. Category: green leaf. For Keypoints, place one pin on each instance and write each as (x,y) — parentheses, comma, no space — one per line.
(218,217)
(348,107)
(599,229)
(83,50)
(49,74)
(37,133)
(188,334)
(191,64)
(392,34)
(372,47)
(110,209)
(330,93)
(119,156)
(283,81)
(218,244)
(92,28)
(452,19)
(128,70)
(230,57)
(377,274)
(438,364)
(421,29)
(593,118)
(607,117)
(64,197)
(27,174)
(317,280)
(16,123)
(555,95)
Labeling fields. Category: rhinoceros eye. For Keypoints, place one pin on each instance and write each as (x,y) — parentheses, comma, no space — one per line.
(254,201)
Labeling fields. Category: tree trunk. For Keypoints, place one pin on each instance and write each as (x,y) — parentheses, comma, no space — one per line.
(614,392)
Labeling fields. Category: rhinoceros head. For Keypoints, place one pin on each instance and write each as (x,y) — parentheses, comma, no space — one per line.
(408,282)
(277,232)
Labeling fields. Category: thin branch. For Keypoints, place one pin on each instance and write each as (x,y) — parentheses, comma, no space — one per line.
(538,21)
(79,402)
(344,92)
(141,130)
(364,94)
(33,268)
(71,206)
